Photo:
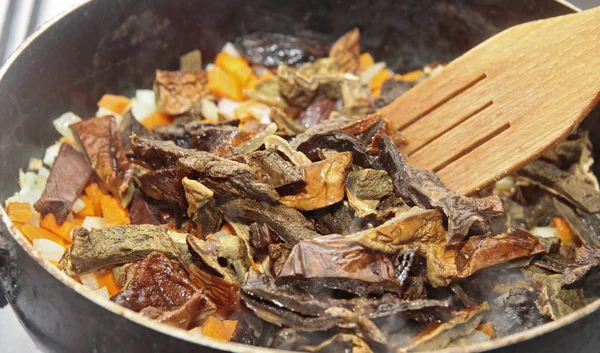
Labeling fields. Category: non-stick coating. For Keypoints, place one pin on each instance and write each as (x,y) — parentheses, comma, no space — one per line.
(115,46)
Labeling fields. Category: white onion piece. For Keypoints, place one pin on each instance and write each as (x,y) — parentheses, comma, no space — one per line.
(78,205)
(228,106)
(104,112)
(61,124)
(30,196)
(209,67)
(51,154)
(369,73)
(36,217)
(258,111)
(230,49)
(505,184)
(141,110)
(27,180)
(48,249)
(209,110)
(90,223)
(43,172)
(103,292)
(478,336)
(35,164)
(255,142)
(145,96)
(296,157)
(545,232)
(89,281)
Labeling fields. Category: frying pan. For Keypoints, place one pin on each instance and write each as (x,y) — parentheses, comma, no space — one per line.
(115,46)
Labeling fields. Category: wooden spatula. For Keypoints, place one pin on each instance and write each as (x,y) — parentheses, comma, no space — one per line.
(503,103)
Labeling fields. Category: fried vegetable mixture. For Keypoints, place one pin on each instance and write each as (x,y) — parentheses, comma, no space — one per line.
(263,200)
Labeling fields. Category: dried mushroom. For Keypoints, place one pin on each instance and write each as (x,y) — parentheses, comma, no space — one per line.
(101,142)
(129,126)
(587,263)
(339,141)
(275,49)
(375,124)
(356,98)
(364,189)
(318,110)
(225,254)
(518,313)
(158,282)
(346,51)
(291,226)
(268,92)
(336,262)
(194,311)
(342,342)
(202,208)
(69,175)
(101,247)
(177,92)
(390,91)
(142,212)
(270,168)
(325,182)
(163,185)
(158,154)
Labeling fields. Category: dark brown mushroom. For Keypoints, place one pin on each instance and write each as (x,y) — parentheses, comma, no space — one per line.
(346,51)
(178,91)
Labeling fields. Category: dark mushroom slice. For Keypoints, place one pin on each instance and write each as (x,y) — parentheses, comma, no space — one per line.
(464,213)
(272,169)
(158,282)
(317,111)
(92,250)
(101,142)
(268,92)
(163,185)
(339,141)
(225,294)
(278,254)
(202,208)
(367,128)
(158,154)
(187,316)
(326,126)
(285,124)
(346,51)
(226,178)
(289,224)
(336,262)
(390,91)
(325,184)
(562,183)
(68,177)
(191,60)
(261,236)
(439,335)
(227,255)
(553,300)
(341,219)
(518,313)
(181,132)
(587,264)
(364,189)
(300,86)
(276,49)
(129,126)
(141,211)
(177,92)
(586,225)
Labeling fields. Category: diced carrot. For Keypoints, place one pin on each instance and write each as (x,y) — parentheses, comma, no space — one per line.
(79,220)
(228,228)
(566,235)
(378,80)
(19,212)
(111,209)
(237,68)
(366,61)
(107,280)
(487,328)
(219,330)
(119,222)
(409,76)
(32,232)
(252,81)
(93,192)
(223,85)
(88,210)
(64,230)
(114,103)
(155,119)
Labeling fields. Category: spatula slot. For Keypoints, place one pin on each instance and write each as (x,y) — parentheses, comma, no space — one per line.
(480,141)
(444,101)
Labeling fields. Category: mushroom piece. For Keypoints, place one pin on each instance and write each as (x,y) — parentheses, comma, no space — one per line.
(225,254)
(100,247)
(187,316)
(325,182)
(346,51)
(364,189)
(101,141)
(177,92)
(335,262)
(270,168)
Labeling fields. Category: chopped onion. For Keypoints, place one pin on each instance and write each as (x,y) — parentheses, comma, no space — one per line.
(43,172)
(103,292)
(89,281)
(48,249)
(230,49)
(78,205)
(255,142)
(27,180)
(260,70)
(545,232)
(90,223)
(141,110)
(505,184)
(257,110)
(209,110)
(209,67)
(145,96)
(104,112)
(478,336)
(228,106)
(36,217)
(369,73)
(61,124)
(51,153)
(35,164)
(30,196)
